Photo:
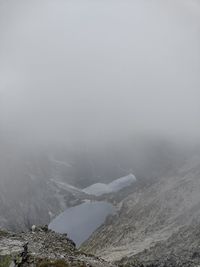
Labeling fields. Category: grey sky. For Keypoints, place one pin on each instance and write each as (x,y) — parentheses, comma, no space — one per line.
(96,69)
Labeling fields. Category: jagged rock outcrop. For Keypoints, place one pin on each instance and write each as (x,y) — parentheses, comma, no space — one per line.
(43,248)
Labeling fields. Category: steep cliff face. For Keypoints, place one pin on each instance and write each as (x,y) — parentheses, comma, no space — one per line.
(43,248)
(156,221)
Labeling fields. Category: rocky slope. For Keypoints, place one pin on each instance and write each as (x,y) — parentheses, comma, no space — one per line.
(157,223)
(181,249)
(43,248)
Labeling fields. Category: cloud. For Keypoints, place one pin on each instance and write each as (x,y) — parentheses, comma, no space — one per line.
(99,69)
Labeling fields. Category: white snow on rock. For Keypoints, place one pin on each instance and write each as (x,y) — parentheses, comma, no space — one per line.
(99,189)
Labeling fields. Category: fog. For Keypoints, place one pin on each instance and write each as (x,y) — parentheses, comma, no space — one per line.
(91,91)
(74,71)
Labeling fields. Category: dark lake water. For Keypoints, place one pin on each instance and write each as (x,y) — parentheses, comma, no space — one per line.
(81,221)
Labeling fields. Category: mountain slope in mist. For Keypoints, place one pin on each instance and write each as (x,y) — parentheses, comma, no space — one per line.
(34,181)
(157,224)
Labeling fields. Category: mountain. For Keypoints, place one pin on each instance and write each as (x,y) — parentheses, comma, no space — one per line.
(157,224)
(156,218)
(37,186)
(39,182)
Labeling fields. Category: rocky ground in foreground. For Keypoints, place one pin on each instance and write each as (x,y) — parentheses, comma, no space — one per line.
(43,248)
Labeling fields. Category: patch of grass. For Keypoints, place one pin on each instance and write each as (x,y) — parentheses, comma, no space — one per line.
(5,261)
(3,233)
(50,263)
(59,263)
(79,264)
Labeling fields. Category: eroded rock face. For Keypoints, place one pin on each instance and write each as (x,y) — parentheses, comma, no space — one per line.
(43,248)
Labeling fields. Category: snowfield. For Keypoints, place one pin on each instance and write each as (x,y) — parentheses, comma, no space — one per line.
(99,189)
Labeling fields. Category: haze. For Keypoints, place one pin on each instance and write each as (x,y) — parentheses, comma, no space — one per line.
(99,70)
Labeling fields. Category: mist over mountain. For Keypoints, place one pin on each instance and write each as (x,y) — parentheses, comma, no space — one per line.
(93,92)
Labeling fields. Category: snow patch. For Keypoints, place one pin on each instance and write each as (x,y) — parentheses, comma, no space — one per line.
(99,189)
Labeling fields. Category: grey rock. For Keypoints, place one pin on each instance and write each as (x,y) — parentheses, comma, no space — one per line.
(44,247)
